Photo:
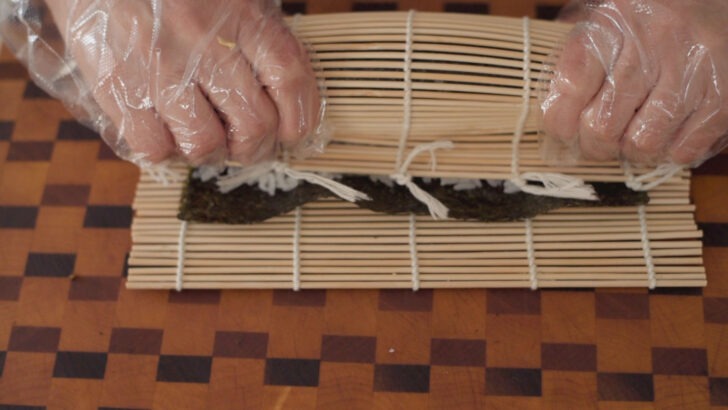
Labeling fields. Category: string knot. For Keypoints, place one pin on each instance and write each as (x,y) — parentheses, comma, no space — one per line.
(659,175)
(437,209)
(401,179)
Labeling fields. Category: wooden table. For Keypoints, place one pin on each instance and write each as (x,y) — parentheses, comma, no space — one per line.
(71,336)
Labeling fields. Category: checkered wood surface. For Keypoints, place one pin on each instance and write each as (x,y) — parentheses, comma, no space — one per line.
(71,336)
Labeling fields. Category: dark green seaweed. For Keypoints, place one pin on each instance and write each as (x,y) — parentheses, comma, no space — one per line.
(201,201)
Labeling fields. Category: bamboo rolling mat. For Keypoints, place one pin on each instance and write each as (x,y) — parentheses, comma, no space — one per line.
(340,246)
(395,82)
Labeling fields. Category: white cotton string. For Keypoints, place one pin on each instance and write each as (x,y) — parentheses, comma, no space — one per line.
(407,83)
(179,281)
(532,268)
(413,253)
(662,173)
(437,209)
(646,248)
(400,176)
(342,191)
(276,171)
(431,148)
(297,251)
(526,103)
(554,185)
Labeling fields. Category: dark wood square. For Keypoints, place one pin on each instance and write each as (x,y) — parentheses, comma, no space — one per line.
(80,365)
(10,288)
(719,391)
(374,6)
(34,339)
(6,130)
(574,357)
(50,264)
(514,301)
(66,195)
(184,369)
(94,288)
(30,151)
(513,382)
(676,361)
(405,300)
(136,341)
(107,216)
(401,378)
(247,345)
(472,7)
(18,216)
(625,387)
(458,352)
(292,372)
(348,349)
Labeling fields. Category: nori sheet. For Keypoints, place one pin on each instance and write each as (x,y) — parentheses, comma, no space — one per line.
(202,202)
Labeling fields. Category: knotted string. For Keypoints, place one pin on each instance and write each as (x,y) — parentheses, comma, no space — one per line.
(554,185)
(639,183)
(437,209)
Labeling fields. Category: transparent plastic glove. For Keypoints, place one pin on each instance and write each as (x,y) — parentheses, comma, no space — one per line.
(640,80)
(159,79)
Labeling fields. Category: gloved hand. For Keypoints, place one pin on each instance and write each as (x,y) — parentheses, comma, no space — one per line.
(642,80)
(168,78)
